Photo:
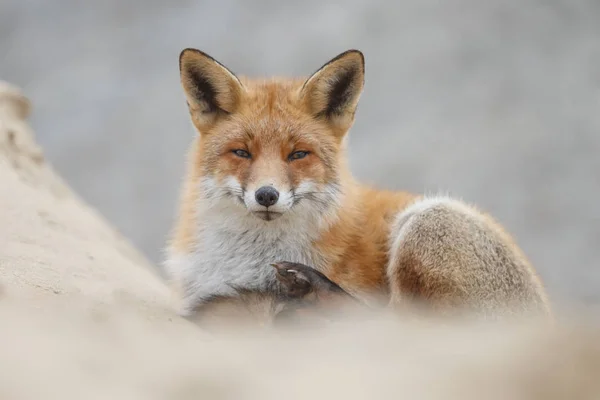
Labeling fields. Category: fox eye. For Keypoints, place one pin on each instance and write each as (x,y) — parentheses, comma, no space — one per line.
(241,153)
(297,155)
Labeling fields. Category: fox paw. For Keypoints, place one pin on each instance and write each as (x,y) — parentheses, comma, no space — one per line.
(299,280)
(295,279)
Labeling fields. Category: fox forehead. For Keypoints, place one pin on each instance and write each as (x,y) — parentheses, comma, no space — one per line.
(272,113)
(273,92)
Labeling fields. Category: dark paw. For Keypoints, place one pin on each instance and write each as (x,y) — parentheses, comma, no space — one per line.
(299,280)
(295,282)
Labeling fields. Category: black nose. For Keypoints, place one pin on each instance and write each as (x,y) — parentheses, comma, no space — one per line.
(266,196)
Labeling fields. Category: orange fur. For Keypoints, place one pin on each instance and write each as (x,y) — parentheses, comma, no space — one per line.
(269,119)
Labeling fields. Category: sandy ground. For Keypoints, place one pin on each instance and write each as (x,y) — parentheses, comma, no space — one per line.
(61,350)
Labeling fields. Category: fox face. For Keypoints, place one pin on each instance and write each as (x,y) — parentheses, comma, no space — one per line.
(271,147)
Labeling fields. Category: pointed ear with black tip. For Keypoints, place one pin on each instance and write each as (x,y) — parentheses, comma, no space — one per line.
(333,91)
(210,88)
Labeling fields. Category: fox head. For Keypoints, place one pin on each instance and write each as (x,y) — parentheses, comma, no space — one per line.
(271,147)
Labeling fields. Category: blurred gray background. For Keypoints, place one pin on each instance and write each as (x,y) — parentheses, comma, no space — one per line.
(495,101)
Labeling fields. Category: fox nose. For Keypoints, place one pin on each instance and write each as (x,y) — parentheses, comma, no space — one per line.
(266,196)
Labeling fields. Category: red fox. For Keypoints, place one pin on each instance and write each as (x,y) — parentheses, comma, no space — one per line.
(268,181)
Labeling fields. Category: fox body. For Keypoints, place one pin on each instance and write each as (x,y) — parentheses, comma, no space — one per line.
(267,180)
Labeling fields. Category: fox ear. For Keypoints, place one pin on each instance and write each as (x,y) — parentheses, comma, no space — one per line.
(333,91)
(211,89)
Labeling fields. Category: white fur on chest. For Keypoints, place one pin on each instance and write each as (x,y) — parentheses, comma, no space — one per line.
(235,250)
